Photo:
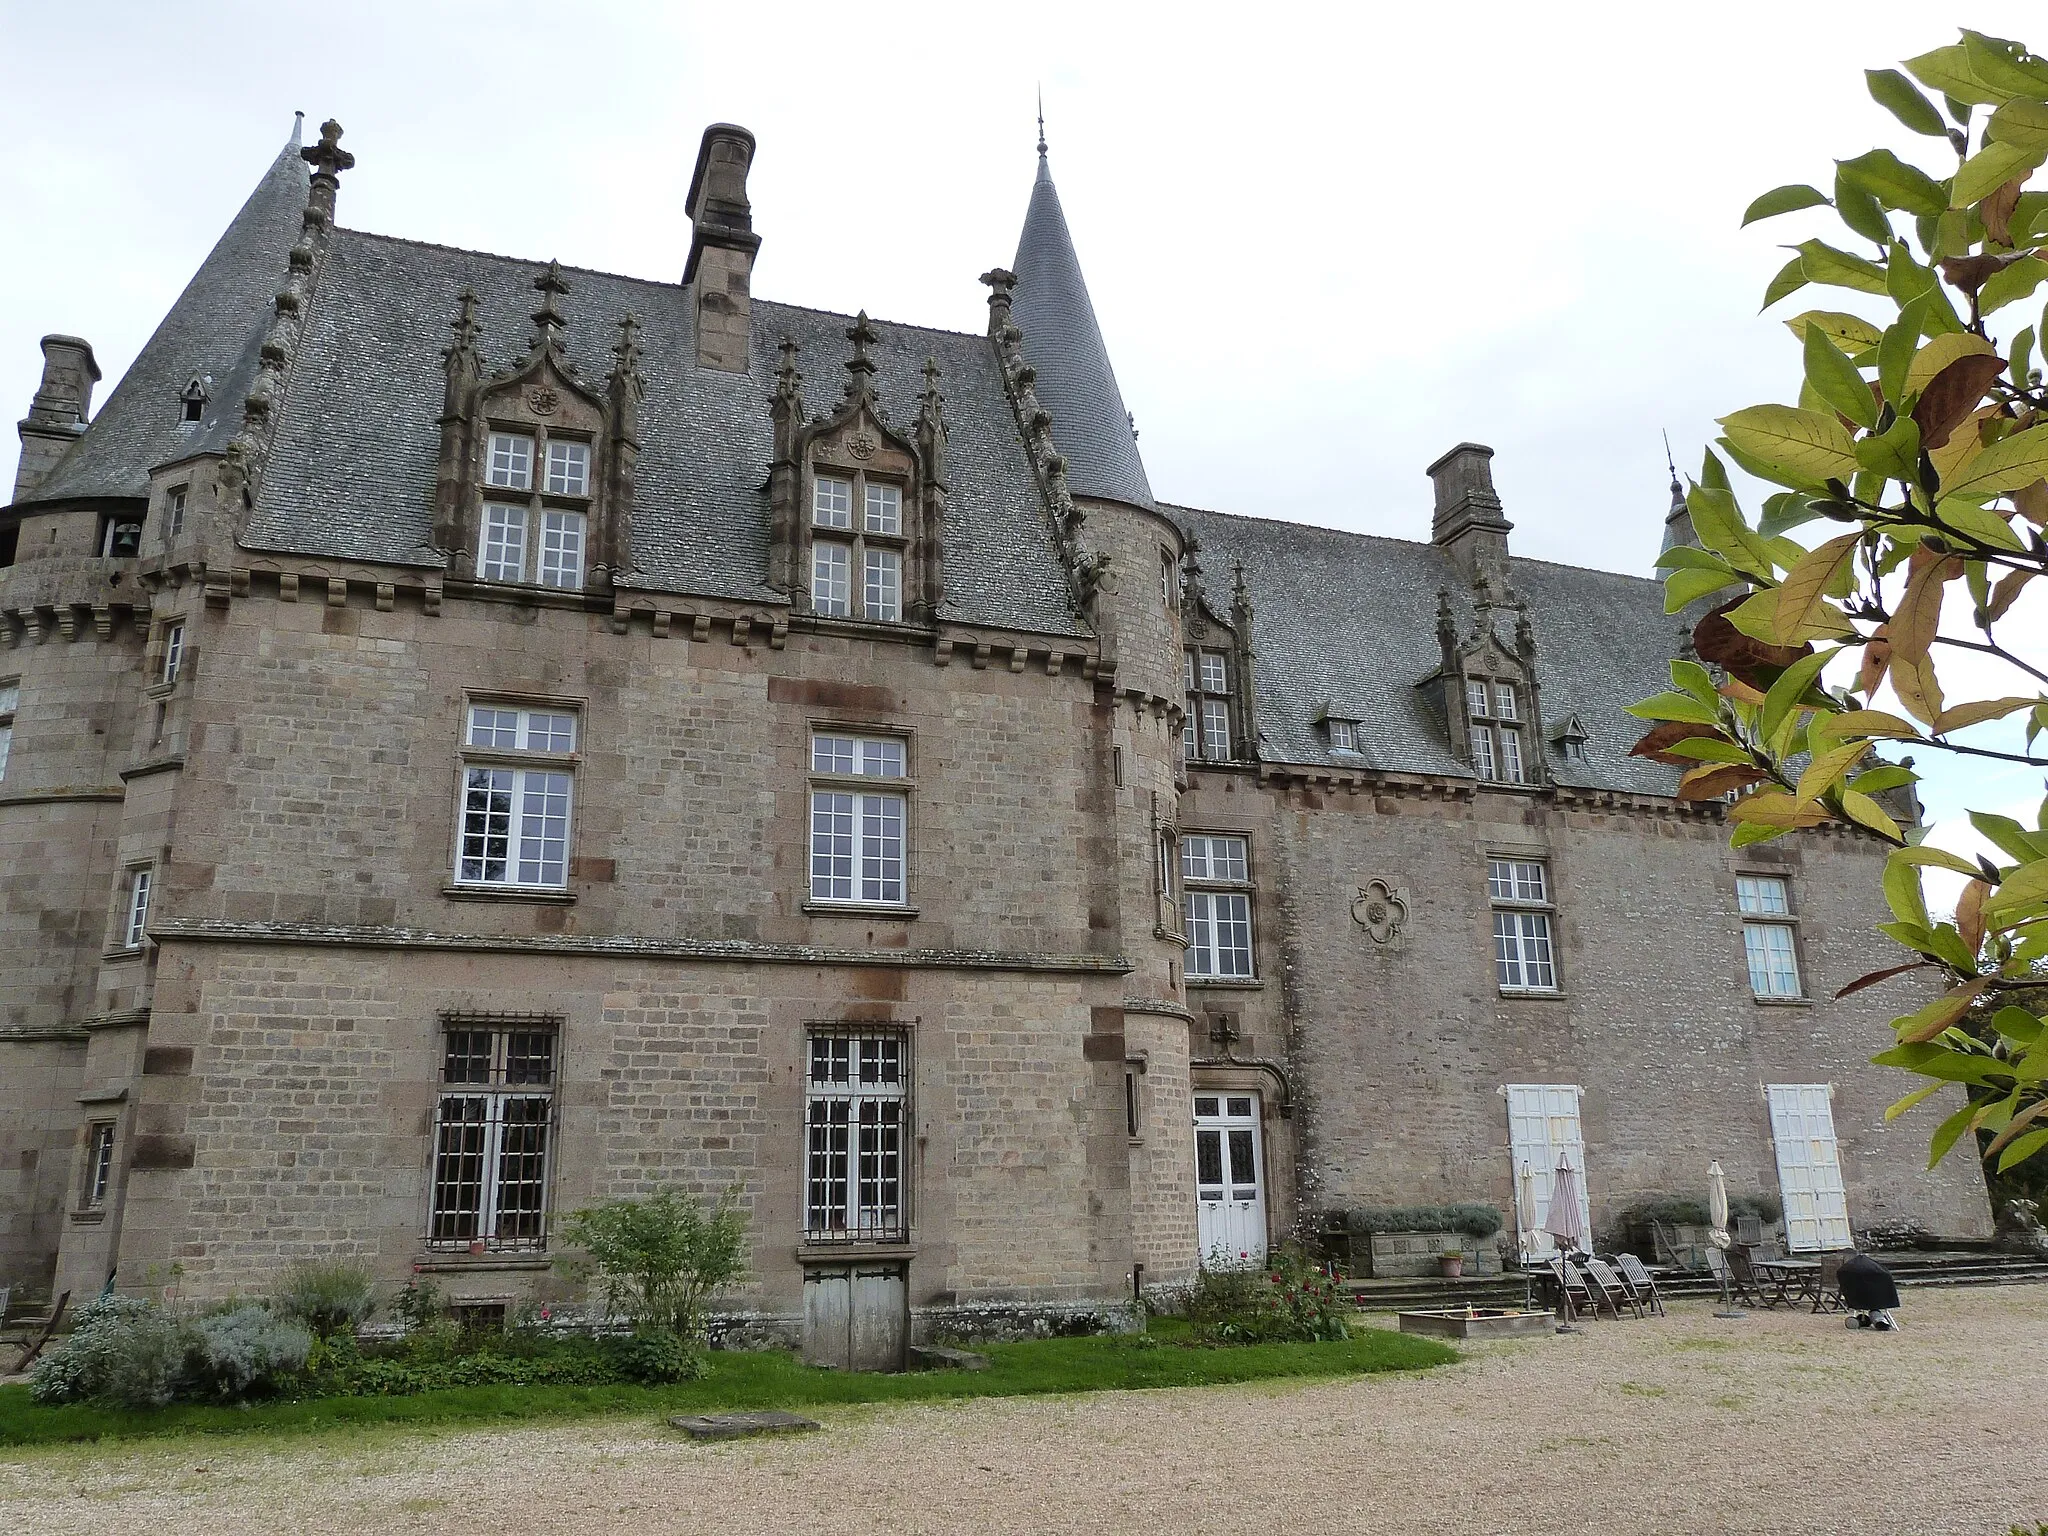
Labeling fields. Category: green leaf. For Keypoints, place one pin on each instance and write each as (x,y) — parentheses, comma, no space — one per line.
(2011,283)
(1898,1109)
(1783,512)
(1709,749)
(1696,680)
(1750,832)
(1896,351)
(1803,609)
(1852,333)
(2025,887)
(2009,837)
(1880,779)
(1938,858)
(1782,200)
(2020,1148)
(2017,1024)
(1902,891)
(1895,454)
(1682,588)
(1717,520)
(1988,170)
(1790,279)
(1898,96)
(2021,123)
(1822,263)
(2007,465)
(1946,1133)
(1884,176)
(1806,442)
(1906,280)
(1859,208)
(1979,522)
(2000,64)
(1791,687)
(2022,356)
(1947,70)
(1835,379)
(1675,706)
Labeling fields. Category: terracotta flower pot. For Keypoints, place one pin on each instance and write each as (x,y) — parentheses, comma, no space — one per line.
(1450,1266)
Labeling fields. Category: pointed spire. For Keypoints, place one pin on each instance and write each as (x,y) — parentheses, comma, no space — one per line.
(789,386)
(1061,340)
(1678,527)
(1041,122)
(460,362)
(860,368)
(547,320)
(298,130)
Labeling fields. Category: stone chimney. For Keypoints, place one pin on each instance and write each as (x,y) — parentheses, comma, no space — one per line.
(57,414)
(1468,520)
(722,247)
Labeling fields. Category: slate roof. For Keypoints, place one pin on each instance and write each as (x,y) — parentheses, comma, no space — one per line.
(1347,622)
(214,329)
(1076,385)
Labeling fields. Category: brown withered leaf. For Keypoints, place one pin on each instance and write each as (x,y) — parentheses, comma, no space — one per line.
(1721,644)
(1970,915)
(2032,500)
(2004,593)
(1997,211)
(1667,733)
(1952,395)
(1886,974)
(1735,688)
(1716,779)
(1877,659)
(1970,273)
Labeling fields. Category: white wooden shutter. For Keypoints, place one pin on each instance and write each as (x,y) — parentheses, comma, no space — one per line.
(1543,1130)
(1809,1167)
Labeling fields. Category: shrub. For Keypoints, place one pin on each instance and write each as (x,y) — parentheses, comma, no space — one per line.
(658,1259)
(1682,1211)
(655,1358)
(1476,1221)
(329,1296)
(1290,1300)
(418,1304)
(122,1351)
(249,1351)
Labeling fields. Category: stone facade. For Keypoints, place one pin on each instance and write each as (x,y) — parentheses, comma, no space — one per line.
(265,711)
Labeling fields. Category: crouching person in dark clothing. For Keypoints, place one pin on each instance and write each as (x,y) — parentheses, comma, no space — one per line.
(1869,1291)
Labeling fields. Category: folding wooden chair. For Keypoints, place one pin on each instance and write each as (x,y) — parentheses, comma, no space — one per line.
(1750,1286)
(1827,1289)
(1641,1281)
(1616,1286)
(1571,1289)
(1595,1293)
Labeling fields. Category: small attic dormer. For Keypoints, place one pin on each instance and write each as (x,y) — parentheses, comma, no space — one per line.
(1487,689)
(858,508)
(536,476)
(1220,722)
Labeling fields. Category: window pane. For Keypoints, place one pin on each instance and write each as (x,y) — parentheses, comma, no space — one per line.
(1517,880)
(1216,730)
(1209,1156)
(1190,735)
(1189,659)
(1233,935)
(459,1170)
(1201,957)
(174,651)
(825,1203)
(832,503)
(561,549)
(1213,673)
(881,1165)
(550,733)
(1475,699)
(1504,701)
(885,509)
(831,579)
(1511,756)
(831,1059)
(881,596)
(1482,751)
(510,463)
(1522,955)
(466,1056)
(138,907)
(544,829)
(1194,857)
(1761,894)
(522,1167)
(486,825)
(1773,970)
(568,469)
(503,556)
(529,1057)
(6,745)
(493,727)
(881,853)
(881,758)
(10,698)
(1227,859)
(831,846)
(1340,735)
(833,754)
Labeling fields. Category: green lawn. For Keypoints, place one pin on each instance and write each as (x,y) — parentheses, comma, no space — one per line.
(762,1380)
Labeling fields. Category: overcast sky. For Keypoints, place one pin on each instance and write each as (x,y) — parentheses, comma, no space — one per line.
(1324,243)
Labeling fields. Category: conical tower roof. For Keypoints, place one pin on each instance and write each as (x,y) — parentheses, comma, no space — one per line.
(212,333)
(1062,341)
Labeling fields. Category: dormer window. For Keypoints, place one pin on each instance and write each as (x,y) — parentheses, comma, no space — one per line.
(192,400)
(1343,736)
(532,539)
(873,546)
(1494,715)
(1206,733)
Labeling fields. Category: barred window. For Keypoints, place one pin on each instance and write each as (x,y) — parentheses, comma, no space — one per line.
(1524,960)
(491,1133)
(1768,946)
(857,835)
(856,1110)
(1219,921)
(515,809)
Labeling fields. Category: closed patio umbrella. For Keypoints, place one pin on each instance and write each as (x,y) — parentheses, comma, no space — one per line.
(1717,1205)
(1565,1221)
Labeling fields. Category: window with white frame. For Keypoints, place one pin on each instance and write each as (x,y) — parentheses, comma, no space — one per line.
(174,512)
(135,911)
(1343,735)
(1215,872)
(174,652)
(871,544)
(856,1109)
(491,1125)
(1169,579)
(858,831)
(99,1165)
(1767,935)
(535,528)
(518,782)
(1493,717)
(1523,956)
(1205,734)
(10,702)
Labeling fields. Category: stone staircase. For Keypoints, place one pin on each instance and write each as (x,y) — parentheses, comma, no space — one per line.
(1944,1267)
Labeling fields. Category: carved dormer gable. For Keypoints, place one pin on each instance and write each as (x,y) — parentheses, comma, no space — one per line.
(1220,724)
(537,463)
(1487,682)
(857,508)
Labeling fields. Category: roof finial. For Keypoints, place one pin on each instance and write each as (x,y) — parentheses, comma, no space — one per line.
(1041,121)
(1677,490)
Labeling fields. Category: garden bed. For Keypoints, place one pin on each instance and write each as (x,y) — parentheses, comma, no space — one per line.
(736,1380)
(1478,1322)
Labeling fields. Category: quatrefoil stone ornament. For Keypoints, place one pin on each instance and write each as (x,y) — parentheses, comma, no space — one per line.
(543,402)
(861,446)
(1380,911)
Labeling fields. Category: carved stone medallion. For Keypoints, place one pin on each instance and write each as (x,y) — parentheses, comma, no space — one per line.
(1379,911)
(861,446)
(543,401)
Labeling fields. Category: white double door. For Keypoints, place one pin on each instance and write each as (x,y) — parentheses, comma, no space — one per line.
(1809,1167)
(1544,1135)
(1230,1185)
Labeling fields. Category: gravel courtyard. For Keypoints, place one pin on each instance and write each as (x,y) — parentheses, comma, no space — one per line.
(1782,1422)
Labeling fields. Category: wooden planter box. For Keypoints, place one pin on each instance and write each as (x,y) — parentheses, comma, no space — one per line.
(1398,1254)
(1477,1323)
